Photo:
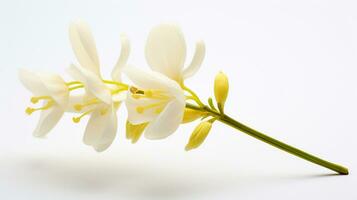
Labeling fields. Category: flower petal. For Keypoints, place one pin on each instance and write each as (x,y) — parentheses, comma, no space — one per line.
(83,46)
(146,79)
(92,83)
(56,88)
(166,50)
(75,100)
(167,122)
(48,119)
(196,60)
(121,96)
(31,81)
(101,129)
(123,58)
(45,84)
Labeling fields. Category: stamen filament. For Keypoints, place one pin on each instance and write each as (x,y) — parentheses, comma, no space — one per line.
(78,119)
(155,94)
(118,90)
(141,109)
(76,87)
(194,95)
(152,94)
(116,83)
(30,110)
(35,100)
(73,83)
(79,107)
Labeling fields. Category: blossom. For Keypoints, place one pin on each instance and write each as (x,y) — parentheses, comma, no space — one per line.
(154,99)
(53,91)
(102,98)
(165,52)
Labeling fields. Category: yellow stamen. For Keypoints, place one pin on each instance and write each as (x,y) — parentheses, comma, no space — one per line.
(133,90)
(151,94)
(30,110)
(79,107)
(116,83)
(76,87)
(35,100)
(78,119)
(155,94)
(118,90)
(141,109)
(73,83)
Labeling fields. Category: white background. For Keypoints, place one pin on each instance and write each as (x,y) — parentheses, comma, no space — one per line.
(292,69)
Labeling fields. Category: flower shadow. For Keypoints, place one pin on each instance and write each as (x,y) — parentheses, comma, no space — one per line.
(140,180)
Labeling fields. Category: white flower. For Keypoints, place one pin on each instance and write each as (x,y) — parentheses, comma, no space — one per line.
(53,91)
(156,100)
(102,98)
(166,53)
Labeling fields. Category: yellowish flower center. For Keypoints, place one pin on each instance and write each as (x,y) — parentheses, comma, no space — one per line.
(141,109)
(150,94)
(91,102)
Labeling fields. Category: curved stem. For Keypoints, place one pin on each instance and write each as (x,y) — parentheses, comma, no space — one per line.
(194,95)
(269,140)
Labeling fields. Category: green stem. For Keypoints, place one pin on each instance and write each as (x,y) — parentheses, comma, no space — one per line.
(194,95)
(269,140)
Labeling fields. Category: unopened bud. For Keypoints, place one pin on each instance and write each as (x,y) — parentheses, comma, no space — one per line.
(221,87)
(191,115)
(199,135)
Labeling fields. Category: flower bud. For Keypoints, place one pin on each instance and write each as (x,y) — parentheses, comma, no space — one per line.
(191,115)
(199,135)
(221,87)
(134,131)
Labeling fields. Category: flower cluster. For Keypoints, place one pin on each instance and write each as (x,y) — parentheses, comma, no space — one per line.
(157,101)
